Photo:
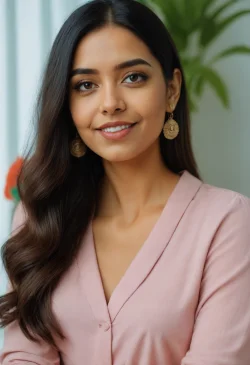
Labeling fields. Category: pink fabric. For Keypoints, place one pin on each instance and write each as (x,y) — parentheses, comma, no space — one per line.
(184,300)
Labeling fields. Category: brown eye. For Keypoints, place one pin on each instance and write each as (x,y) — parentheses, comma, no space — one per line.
(83,86)
(87,85)
(136,78)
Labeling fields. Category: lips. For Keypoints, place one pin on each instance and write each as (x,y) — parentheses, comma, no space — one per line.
(117,133)
(114,124)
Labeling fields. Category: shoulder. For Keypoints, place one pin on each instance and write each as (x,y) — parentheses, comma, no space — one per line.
(222,201)
(225,215)
(218,212)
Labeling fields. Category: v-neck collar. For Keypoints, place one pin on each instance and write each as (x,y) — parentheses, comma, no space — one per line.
(179,200)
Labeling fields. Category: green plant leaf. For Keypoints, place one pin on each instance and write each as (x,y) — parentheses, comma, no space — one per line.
(173,15)
(187,19)
(191,11)
(169,7)
(223,7)
(212,30)
(199,85)
(191,103)
(231,51)
(231,18)
(210,76)
(170,14)
(207,4)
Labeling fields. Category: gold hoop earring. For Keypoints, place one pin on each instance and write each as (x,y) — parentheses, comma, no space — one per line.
(77,147)
(171,128)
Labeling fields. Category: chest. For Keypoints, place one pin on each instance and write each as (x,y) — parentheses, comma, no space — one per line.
(156,299)
(116,247)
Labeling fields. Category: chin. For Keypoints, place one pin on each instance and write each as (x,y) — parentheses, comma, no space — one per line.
(128,152)
(119,156)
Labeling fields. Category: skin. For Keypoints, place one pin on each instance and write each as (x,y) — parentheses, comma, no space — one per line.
(137,182)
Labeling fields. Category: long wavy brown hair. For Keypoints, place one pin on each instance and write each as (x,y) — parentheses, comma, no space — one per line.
(59,192)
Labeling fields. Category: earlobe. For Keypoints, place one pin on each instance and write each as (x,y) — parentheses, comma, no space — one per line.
(170,106)
(174,90)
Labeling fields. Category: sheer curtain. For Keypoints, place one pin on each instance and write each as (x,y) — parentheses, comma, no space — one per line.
(27,30)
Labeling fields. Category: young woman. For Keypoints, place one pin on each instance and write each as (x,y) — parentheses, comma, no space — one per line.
(119,253)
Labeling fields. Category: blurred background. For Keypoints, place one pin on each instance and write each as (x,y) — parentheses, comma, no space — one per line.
(212,37)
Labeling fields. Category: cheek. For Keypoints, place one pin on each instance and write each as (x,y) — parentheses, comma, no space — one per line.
(154,108)
(80,112)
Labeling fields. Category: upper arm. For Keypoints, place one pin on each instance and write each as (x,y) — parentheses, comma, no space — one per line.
(17,349)
(221,333)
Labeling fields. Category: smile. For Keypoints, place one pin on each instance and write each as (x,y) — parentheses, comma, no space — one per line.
(117,132)
(116,129)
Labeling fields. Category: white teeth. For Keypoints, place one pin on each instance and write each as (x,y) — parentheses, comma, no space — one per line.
(116,129)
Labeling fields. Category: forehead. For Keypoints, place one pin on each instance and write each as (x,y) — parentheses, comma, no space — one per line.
(110,45)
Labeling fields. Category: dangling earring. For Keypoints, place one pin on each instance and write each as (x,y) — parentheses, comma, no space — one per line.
(171,127)
(77,147)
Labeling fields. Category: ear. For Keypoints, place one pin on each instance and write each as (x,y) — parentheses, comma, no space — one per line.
(173,91)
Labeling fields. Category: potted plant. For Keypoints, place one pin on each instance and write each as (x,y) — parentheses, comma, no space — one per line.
(194,26)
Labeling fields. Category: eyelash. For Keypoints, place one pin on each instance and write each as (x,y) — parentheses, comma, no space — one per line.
(80,83)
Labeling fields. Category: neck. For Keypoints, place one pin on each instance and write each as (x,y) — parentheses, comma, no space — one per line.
(134,187)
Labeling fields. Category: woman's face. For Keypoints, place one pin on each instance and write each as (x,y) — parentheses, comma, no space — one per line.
(115,78)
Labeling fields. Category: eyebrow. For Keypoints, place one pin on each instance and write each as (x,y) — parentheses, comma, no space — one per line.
(120,66)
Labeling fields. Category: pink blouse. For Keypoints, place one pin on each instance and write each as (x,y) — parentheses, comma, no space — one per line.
(184,300)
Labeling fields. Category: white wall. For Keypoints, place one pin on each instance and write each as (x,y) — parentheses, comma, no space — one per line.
(222,137)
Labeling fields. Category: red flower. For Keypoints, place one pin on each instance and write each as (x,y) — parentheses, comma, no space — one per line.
(10,190)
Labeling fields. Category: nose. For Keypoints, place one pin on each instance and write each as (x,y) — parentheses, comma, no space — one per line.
(112,101)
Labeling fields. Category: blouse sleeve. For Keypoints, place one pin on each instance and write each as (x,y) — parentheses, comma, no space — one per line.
(17,349)
(221,333)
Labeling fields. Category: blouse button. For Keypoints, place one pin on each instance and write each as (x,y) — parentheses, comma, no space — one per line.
(105,326)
